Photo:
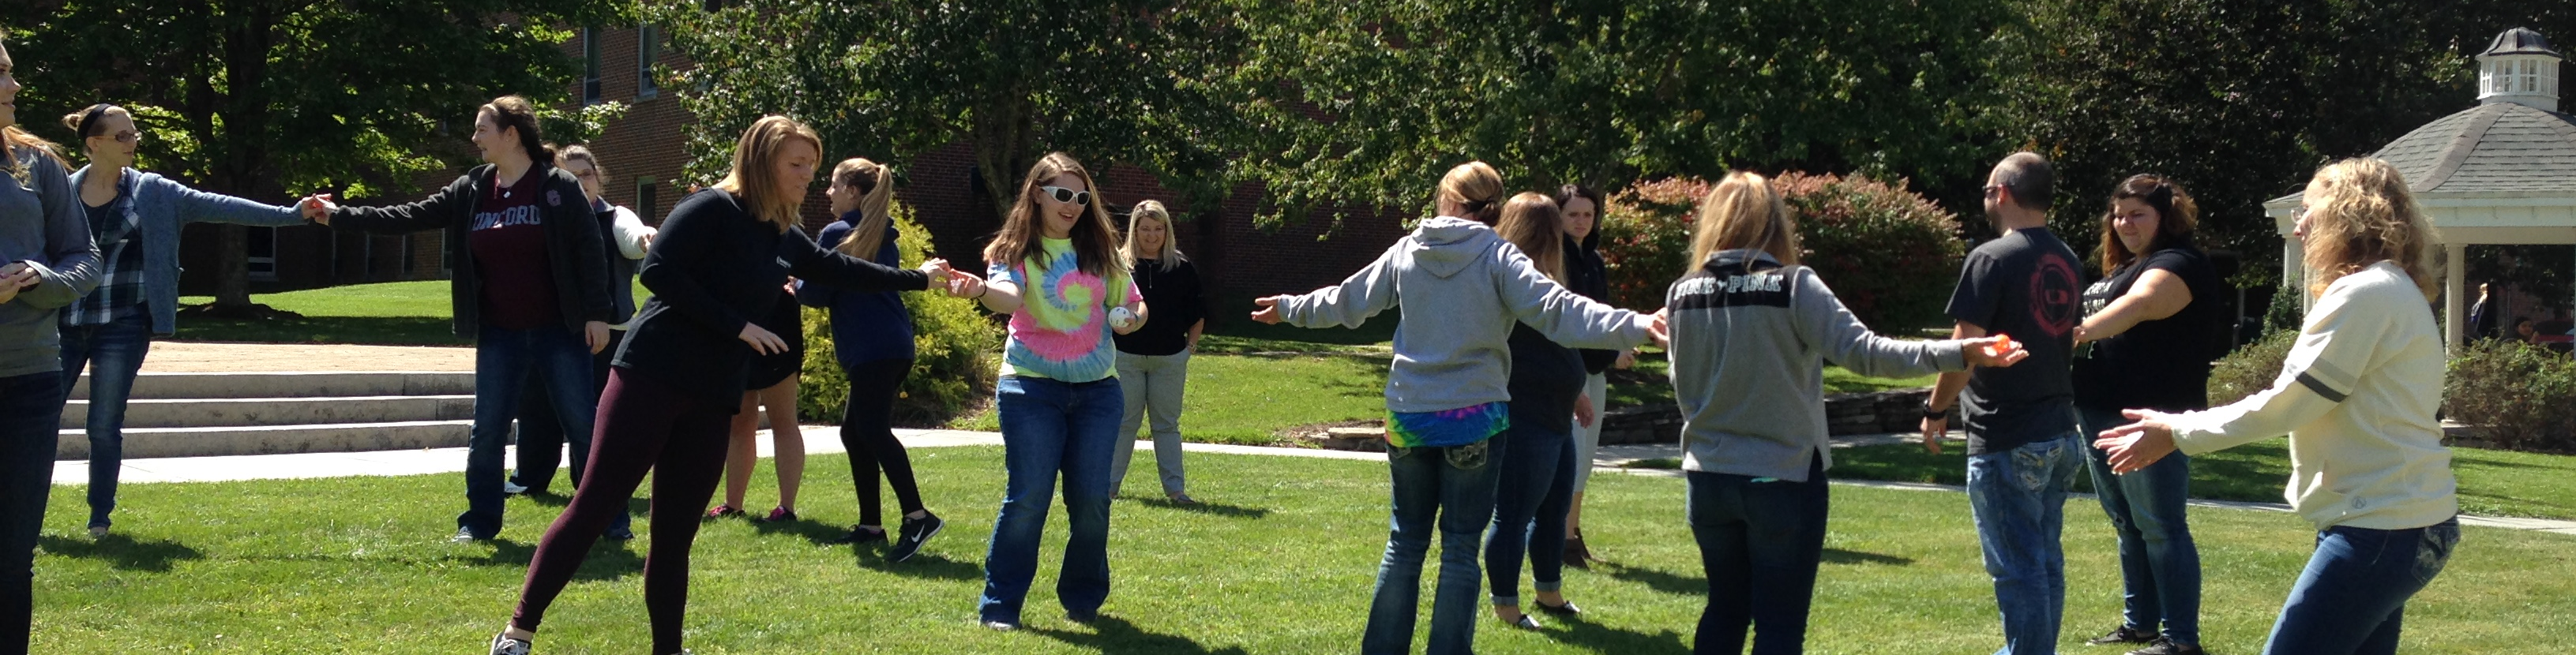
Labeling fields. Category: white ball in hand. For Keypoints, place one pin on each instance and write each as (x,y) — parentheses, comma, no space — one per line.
(1120,318)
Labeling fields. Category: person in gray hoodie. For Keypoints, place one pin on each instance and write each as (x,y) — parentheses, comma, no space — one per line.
(1751,330)
(46,261)
(1446,398)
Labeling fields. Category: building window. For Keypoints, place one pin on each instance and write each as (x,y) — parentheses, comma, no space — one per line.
(648,45)
(262,243)
(2530,76)
(590,65)
(646,204)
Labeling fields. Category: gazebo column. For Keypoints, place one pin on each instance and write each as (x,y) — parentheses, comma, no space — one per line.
(2455,282)
(2294,275)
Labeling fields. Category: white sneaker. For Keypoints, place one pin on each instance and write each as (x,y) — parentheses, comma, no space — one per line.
(508,487)
(502,644)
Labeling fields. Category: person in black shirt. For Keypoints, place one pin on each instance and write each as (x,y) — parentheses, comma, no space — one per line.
(1154,361)
(2020,420)
(721,258)
(2151,327)
(1588,275)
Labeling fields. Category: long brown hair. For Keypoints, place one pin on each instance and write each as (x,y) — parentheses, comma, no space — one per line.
(875,184)
(2177,216)
(1743,211)
(2360,213)
(1095,243)
(1532,221)
(14,139)
(754,177)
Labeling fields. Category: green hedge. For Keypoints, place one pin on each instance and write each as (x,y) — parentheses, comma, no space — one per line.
(2521,397)
(1891,255)
(956,356)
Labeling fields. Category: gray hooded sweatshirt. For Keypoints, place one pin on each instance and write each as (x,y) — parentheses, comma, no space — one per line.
(1461,287)
(41,225)
(1749,341)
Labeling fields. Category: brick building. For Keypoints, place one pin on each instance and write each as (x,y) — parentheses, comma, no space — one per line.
(645,152)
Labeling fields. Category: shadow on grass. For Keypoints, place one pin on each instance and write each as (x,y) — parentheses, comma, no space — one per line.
(814,531)
(609,559)
(123,552)
(1574,631)
(1205,507)
(922,565)
(1111,634)
(388,331)
(1840,556)
(1662,581)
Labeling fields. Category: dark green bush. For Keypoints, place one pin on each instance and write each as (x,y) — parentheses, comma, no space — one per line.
(2520,397)
(955,351)
(1889,254)
(2251,369)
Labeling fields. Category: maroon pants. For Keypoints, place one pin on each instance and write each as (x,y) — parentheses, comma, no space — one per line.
(643,426)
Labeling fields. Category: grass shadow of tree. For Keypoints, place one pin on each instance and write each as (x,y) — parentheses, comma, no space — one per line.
(922,565)
(1205,507)
(609,559)
(1574,631)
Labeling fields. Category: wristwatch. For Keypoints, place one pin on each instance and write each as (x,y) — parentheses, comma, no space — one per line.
(1934,414)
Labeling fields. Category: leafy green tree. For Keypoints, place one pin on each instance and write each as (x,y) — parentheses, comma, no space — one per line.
(1362,104)
(1111,81)
(265,98)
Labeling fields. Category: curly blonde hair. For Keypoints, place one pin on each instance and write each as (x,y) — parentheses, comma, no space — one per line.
(2359,213)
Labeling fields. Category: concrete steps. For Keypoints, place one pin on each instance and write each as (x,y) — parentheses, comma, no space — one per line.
(211,414)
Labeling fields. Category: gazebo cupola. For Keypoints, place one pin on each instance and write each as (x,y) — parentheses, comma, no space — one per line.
(2519,68)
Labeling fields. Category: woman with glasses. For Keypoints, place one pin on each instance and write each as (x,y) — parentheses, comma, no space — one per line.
(135,217)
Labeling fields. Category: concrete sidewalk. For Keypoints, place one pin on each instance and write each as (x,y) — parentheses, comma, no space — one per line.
(826,440)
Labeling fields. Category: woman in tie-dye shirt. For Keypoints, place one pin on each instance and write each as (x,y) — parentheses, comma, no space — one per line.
(1055,270)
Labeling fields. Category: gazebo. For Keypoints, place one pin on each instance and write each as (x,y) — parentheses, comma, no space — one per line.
(2503,172)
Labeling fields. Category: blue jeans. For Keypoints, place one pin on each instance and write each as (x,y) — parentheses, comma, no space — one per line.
(1455,486)
(2159,565)
(114,352)
(31,412)
(2352,598)
(1759,544)
(2019,497)
(1533,490)
(503,361)
(1050,427)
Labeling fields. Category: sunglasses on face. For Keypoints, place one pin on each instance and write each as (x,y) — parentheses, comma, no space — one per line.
(127,136)
(1067,196)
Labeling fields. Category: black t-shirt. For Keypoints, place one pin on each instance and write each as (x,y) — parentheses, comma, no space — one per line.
(2161,364)
(2023,285)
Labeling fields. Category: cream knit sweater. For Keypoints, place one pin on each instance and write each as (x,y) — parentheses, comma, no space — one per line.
(2357,397)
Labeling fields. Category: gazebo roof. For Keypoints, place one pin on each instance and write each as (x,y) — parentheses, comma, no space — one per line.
(2497,147)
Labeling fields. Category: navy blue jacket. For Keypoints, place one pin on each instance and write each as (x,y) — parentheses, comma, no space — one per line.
(867,326)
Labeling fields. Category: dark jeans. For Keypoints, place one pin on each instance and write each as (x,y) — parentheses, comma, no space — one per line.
(1533,491)
(1051,427)
(114,353)
(644,426)
(2159,564)
(1450,489)
(1760,540)
(2351,600)
(503,360)
(31,411)
(2019,499)
(541,434)
(867,433)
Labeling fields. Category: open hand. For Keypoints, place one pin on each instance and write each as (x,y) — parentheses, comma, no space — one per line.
(1269,312)
(1995,351)
(965,285)
(2136,445)
(16,277)
(762,341)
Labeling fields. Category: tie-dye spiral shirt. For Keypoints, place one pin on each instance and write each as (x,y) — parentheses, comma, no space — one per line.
(1448,427)
(1061,331)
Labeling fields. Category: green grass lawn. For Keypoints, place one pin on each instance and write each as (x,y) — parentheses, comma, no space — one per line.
(2492,482)
(387,313)
(1279,561)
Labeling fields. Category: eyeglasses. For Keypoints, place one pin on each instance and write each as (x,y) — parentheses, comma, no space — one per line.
(128,136)
(587,173)
(1067,196)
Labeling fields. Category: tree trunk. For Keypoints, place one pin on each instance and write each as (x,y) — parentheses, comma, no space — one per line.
(243,161)
(1002,134)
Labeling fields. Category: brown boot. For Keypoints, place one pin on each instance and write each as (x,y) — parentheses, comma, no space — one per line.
(1576,555)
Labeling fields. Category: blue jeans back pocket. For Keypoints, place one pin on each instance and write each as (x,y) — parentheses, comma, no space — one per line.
(1471,456)
(2435,551)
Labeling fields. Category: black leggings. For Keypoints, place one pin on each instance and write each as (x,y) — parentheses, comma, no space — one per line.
(867,432)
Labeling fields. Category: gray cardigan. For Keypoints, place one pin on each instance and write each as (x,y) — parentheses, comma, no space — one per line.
(1749,342)
(41,225)
(160,206)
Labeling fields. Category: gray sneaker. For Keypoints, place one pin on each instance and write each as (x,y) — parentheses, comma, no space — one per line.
(502,644)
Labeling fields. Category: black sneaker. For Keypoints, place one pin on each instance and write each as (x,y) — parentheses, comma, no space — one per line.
(465,535)
(2163,646)
(502,644)
(915,533)
(615,533)
(2124,635)
(861,534)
